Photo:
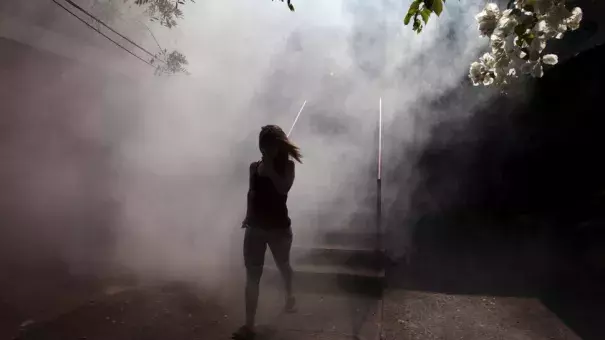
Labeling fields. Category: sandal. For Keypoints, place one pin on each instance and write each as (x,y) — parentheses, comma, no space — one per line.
(290,306)
(243,333)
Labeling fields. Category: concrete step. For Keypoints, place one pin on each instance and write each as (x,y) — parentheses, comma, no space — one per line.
(354,239)
(340,271)
(349,257)
(334,269)
(331,279)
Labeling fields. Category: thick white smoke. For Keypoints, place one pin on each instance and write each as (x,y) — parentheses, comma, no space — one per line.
(183,173)
(177,149)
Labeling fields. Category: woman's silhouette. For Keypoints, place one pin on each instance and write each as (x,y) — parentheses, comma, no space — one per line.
(267,221)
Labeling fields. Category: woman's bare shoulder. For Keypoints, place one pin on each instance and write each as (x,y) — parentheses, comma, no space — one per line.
(253,166)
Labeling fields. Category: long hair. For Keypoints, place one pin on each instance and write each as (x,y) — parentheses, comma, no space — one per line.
(274,135)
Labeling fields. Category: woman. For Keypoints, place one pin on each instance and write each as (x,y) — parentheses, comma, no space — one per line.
(267,221)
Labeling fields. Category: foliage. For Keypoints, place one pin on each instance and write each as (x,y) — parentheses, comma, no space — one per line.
(518,37)
(170,63)
(165,11)
(420,11)
(290,6)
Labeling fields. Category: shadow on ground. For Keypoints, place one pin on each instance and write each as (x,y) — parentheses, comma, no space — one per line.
(173,311)
(512,205)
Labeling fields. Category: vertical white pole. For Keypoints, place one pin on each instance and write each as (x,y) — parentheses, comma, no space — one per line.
(380,139)
(379,182)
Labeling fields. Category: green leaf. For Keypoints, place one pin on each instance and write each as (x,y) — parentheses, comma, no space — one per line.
(417,25)
(437,7)
(426,14)
(412,11)
(520,30)
(408,17)
(415,5)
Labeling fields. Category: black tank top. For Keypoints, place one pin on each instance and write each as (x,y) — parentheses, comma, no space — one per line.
(269,207)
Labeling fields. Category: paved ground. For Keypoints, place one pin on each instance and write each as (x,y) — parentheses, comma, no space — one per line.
(177,311)
(419,315)
(180,311)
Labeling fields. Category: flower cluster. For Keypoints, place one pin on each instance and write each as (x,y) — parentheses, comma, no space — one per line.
(518,37)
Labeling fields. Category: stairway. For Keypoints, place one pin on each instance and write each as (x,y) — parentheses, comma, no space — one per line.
(345,260)
(350,258)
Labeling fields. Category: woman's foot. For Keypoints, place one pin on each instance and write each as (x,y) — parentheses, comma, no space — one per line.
(244,333)
(290,306)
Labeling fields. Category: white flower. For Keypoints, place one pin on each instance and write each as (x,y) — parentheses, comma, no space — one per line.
(488,60)
(476,73)
(488,19)
(513,53)
(488,80)
(542,26)
(562,28)
(543,29)
(542,6)
(507,23)
(492,9)
(573,22)
(476,69)
(497,42)
(550,59)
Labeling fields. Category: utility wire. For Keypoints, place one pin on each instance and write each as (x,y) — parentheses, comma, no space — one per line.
(101,33)
(121,14)
(109,28)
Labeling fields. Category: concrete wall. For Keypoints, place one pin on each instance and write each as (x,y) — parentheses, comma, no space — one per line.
(56,154)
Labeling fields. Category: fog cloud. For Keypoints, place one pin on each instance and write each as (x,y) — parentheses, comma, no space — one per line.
(176,149)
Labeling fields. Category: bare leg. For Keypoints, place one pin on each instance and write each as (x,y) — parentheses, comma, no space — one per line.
(255,245)
(286,272)
(252,292)
(280,244)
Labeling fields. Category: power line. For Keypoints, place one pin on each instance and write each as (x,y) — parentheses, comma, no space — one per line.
(108,27)
(101,33)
